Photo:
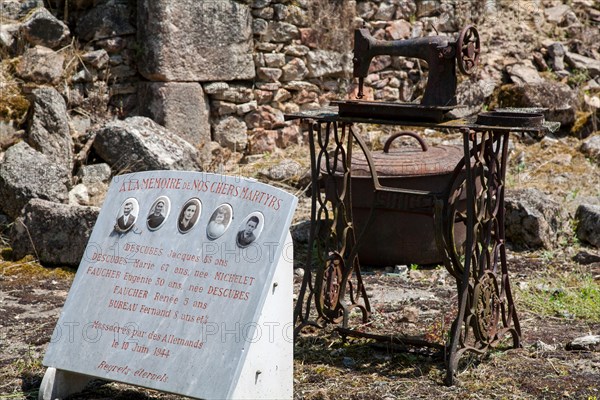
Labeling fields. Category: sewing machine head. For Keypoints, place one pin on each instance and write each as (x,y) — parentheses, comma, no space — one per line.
(442,53)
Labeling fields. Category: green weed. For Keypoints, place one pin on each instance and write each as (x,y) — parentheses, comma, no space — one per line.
(564,294)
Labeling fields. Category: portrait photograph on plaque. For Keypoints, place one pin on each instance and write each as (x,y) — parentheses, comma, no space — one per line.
(219,221)
(127,215)
(159,212)
(250,229)
(188,217)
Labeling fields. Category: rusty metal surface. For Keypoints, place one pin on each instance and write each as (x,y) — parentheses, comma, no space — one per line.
(337,287)
(409,161)
(506,118)
(330,114)
(411,179)
(332,283)
(440,52)
(391,111)
(405,162)
(468,50)
(486,312)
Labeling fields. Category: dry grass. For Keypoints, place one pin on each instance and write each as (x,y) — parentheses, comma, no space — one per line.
(96,102)
(13,103)
(557,168)
(28,269)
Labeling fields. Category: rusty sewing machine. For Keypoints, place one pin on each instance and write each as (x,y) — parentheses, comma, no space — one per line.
(463,210)
(426,170)
(442,54)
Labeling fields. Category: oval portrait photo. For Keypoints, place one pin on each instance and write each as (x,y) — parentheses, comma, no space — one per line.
(189,215)
(250,229)
(159,211)
(219,221)
(127,215)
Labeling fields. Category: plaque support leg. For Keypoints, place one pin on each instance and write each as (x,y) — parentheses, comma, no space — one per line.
(58,384)
(268,373)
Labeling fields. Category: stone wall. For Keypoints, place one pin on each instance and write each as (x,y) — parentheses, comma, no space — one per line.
(222,73)
(227,70)
(257,60)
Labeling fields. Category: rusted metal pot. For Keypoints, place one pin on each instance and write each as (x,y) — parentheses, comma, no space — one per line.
(400,236)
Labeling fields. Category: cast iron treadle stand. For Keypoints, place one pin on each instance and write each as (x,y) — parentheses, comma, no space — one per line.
(486,311)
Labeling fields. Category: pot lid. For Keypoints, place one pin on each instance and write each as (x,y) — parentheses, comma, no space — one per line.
(407,161)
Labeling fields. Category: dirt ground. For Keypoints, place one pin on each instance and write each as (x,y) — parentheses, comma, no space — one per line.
(326,367)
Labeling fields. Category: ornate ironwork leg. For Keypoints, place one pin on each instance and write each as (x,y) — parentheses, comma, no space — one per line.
(338,286)
(301,314)
(486,311)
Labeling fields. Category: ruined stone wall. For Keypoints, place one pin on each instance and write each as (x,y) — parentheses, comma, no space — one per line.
(238,66)
(224,72)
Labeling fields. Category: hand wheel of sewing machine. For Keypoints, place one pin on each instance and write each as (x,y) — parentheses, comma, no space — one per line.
(468,49)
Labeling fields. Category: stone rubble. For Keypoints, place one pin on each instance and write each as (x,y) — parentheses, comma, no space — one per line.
(115,85)
(584,343)
(532,220)
(27,174)
(56,234)
(588,224)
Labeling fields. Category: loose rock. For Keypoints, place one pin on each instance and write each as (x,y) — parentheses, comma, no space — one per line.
(41,65)
(26,174)
(587,343)
(231,132)
(55,233)
(140,144)
(49,128)
(591,148)
(43,28)
(588,224)
(532,219)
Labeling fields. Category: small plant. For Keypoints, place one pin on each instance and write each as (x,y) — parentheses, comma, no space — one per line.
(578,78)
(13,103)
(547,256)
(572,195)
(564,294)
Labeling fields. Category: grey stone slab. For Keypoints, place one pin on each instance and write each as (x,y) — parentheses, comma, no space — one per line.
(181,107)
(49,127)
(56,234)
(190,40)
(159,303)
(26,174)
(140,144)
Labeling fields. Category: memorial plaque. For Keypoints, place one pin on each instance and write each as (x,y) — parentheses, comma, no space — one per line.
(179,288)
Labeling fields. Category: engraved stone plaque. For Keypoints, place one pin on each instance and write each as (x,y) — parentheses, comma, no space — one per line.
(179,289)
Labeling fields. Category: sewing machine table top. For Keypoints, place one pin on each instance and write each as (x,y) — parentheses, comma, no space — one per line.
(334,113)
(393,111)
